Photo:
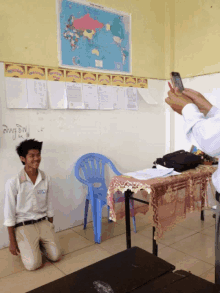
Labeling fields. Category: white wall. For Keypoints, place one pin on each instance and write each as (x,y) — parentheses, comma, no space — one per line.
(131,139)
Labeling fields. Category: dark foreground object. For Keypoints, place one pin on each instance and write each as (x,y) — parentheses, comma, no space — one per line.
(179,282)
(132,270)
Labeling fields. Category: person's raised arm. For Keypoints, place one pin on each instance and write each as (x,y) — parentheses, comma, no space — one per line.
(206,132)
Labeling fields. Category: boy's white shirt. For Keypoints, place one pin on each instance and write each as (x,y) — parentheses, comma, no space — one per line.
(27,201)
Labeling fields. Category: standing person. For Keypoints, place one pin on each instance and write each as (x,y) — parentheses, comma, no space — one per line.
(28,204)
(202,121)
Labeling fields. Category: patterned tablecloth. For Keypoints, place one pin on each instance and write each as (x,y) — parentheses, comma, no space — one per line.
(170,198)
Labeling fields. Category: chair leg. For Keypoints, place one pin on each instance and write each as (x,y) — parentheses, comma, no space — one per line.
(97,219)
(86,213)
(94,217)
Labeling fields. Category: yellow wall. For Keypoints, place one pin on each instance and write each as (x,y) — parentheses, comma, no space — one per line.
(197,37)
(180,35)
(28,33)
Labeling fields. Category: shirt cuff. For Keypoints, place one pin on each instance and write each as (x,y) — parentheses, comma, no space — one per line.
(9,223)
(212,112)
(50,214)
(191,115)
(189,110)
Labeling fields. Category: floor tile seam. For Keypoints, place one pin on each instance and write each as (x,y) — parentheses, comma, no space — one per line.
(12,274)
(91,227)
(79,249)
(190,255)
(207,271)
(207,235)
(58,269)
(172,242)
(208,227)
(179,224)
(108,251)
(105,240)
(184,238)
(197,230)
(53,263)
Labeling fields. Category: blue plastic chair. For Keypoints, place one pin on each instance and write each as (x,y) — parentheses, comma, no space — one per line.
(93,167)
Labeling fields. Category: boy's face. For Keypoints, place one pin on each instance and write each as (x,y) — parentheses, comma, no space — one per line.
(32,159)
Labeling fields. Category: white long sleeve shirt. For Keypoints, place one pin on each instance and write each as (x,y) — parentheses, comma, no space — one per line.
(206,132)
(27,201)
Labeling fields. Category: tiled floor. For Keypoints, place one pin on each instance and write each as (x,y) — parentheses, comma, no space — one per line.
(189,246)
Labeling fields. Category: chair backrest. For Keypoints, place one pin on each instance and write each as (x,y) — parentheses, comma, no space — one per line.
(93,167)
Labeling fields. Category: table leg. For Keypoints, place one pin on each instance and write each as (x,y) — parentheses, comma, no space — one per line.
(217,245)
(155,246)
(202,215)
(127,218)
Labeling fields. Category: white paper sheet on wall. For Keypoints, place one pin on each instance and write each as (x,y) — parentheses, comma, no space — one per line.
(37,93)
(118,96)
(16,92)
(57,94)
(106,101)
(74,95)
(131,96)
(90,96)
(145,94)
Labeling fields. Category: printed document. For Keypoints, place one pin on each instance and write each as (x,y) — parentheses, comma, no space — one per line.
(37,93)
(16,92)
(74,95)
(152,173)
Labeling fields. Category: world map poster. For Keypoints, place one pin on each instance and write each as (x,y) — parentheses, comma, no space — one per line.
(93,38)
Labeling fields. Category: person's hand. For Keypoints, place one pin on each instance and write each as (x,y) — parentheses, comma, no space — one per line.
(176,100)
(199,100)
(13,248)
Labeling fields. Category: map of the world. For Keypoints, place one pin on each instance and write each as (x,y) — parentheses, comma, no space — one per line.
(94,38)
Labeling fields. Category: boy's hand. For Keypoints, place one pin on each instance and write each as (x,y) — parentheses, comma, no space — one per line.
(176,100)
(13,248)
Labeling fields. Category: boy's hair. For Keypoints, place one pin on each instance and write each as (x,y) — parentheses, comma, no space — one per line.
(26,145)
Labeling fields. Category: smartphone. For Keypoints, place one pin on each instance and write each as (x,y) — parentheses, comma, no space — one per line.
(176,80)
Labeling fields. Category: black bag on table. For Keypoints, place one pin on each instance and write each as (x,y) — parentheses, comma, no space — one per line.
(179,160)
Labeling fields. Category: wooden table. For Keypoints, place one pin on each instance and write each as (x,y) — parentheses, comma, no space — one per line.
(169,199)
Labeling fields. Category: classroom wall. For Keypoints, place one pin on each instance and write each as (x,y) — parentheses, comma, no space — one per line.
(29,31)
(197,37)
(166,36)
(131,139)
(196,42)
